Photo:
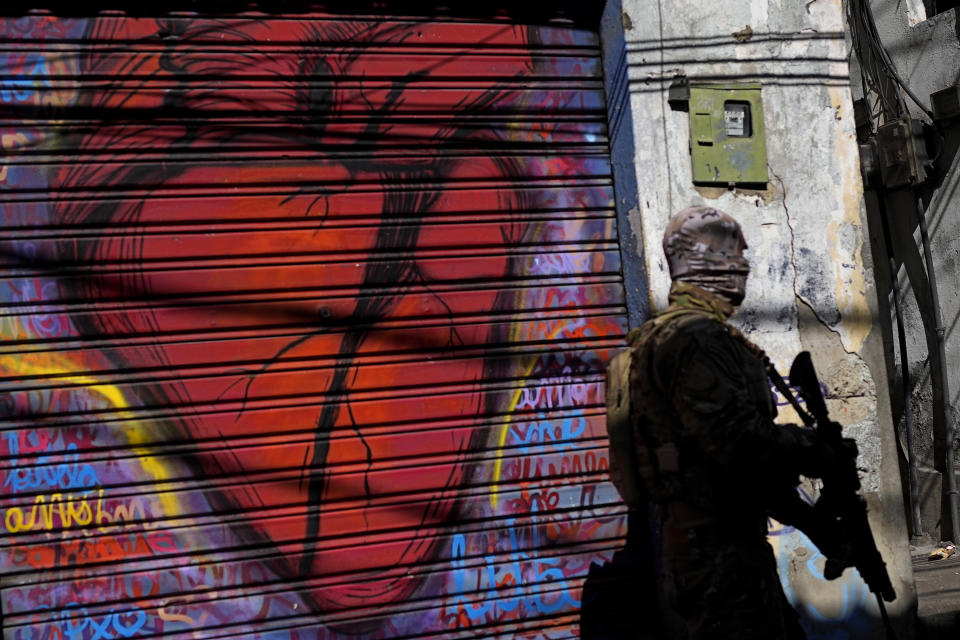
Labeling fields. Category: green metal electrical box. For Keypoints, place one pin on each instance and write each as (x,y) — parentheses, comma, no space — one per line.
(727,137)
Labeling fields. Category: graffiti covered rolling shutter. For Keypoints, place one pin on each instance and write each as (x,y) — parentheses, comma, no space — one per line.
(303,327)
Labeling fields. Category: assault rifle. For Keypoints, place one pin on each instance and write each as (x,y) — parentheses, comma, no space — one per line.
(839,499)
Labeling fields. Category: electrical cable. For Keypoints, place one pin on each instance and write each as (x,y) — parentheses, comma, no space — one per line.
(870,55)
(887,62)
(880,59)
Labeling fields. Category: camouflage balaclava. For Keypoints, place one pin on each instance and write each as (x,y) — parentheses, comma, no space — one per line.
(704,246)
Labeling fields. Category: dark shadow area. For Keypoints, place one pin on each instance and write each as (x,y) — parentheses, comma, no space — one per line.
(619,598)
(935,7)
(900,209)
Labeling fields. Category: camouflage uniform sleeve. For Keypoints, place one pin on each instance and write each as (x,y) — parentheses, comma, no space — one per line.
(702,369)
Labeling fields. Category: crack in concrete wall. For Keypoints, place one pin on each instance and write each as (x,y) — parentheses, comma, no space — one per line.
(811,272)
(793,261)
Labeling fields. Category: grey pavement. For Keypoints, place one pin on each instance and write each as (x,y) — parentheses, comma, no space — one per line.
(938,597)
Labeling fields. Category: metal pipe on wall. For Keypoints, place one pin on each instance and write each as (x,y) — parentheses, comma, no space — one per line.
(913,477)
(944,380)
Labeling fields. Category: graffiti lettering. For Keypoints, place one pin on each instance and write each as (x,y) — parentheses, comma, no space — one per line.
(136,513)
(542,499)
(576,466)
(133,545)
(65,511)
(563,391)
(565,327)
(544,431)
(521,568)
(16,90)
(71,512)
(74,621)
(70,474)
(30,82)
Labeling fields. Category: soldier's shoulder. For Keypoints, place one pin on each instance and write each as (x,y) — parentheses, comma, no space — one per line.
(695,325)
(669,333)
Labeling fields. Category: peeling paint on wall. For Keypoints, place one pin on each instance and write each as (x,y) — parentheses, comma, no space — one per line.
(846,231)
(811,281)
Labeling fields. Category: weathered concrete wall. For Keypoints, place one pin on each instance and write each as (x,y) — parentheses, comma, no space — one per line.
(926,53)
(812,283)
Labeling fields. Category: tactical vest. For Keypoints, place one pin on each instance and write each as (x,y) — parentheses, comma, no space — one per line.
(644,458)
(634,468)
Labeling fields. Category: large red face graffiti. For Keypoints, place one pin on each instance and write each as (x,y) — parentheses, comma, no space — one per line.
(296,331)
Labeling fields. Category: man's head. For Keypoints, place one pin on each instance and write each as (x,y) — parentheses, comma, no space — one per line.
(704,246)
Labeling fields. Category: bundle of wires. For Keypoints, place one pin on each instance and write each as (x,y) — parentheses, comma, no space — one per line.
(878,73)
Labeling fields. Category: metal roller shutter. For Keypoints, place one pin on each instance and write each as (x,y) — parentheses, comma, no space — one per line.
(303,326)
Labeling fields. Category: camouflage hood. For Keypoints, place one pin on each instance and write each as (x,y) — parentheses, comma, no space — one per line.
(704,246)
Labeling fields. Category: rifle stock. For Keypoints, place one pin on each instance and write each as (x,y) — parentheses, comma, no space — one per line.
(839,498)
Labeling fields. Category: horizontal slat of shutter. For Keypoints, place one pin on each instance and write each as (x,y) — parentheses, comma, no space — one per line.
(303,324)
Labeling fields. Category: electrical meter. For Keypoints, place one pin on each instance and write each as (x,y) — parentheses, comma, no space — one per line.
(727,137)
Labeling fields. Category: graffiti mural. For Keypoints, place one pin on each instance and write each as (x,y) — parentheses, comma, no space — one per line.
(841,608)
(302,328)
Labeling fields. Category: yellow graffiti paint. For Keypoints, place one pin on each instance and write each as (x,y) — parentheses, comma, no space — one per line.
(502,439)
(49,366)
(505,426)
(10,142)
(71,513)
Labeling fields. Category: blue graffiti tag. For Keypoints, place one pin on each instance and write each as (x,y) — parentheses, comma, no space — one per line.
(23,89)
(854,593)
(544,570)
(545,431)
(848,601)
(74,622)
(42,475)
